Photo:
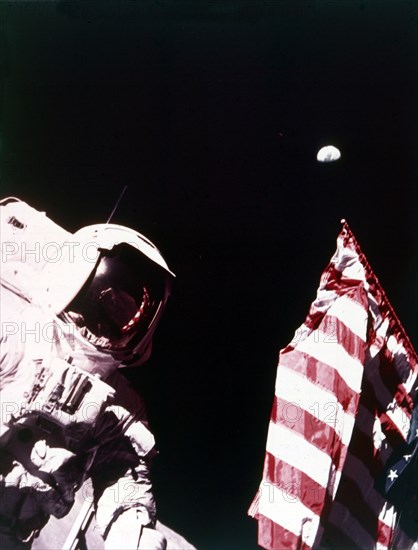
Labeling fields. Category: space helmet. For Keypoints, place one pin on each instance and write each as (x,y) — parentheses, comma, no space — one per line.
(113,286)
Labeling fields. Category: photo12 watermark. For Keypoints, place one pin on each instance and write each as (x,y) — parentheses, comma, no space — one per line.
(36,332)
(53,252)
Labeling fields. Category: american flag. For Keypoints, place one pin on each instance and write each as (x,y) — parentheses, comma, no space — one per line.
(342,409)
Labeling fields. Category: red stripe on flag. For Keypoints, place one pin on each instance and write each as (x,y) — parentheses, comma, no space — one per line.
(384,534)
(391,431)
(336,331)
(323,375)
(293,484)
(274,537)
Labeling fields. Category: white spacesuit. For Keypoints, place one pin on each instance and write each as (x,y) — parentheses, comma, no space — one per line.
(74,308)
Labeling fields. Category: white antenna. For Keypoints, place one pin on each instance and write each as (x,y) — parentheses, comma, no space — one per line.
(117,203)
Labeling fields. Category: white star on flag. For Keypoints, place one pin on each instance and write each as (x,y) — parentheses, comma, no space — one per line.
(392,475)
(407,457)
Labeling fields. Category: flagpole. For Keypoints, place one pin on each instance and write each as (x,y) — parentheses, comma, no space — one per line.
(370,275)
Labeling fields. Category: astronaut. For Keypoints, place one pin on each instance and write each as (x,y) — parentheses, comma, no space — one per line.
(74,309)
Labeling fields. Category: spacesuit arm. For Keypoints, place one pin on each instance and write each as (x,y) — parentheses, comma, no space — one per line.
(126,511)
(125,507)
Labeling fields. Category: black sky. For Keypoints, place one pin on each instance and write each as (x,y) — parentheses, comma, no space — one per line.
(212,113)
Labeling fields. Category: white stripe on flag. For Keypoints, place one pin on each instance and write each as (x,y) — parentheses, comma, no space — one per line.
(364,420)
(294,449)
(294,387)
(334,488)
(388,515)
(387,402)
(293,516)
(399,418)
(351,314)
(333,354)
(394,346)
(410,381)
